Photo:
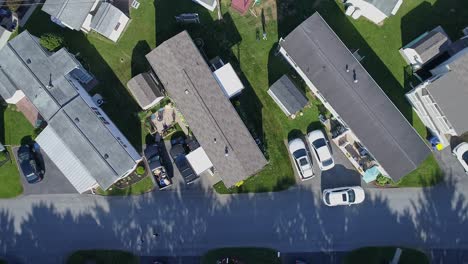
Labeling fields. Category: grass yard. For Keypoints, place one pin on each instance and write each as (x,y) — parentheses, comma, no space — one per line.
(13,129)
(102,257)
(143,186)
(243,255)
(376,255)
(234,40)
(9,177)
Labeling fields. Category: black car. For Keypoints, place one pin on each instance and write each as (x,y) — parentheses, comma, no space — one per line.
(178,155)
(29,164)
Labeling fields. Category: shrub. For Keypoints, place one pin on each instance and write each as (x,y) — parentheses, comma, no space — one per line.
(51,41)
(13,5)
(140,170)
(382,180)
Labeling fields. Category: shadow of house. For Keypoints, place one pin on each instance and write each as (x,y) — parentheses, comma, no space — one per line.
(139,63)
(3,107)
(450,14)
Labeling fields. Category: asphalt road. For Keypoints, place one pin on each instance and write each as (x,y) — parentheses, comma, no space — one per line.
(45,229)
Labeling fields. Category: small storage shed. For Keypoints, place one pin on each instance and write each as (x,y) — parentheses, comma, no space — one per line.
(145,90)
(228,80)
(287,96)
(199,161)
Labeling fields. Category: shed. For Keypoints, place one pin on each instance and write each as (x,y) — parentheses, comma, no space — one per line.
(241,6)
(228,80)
(145,90)
(287,96)
(199,161)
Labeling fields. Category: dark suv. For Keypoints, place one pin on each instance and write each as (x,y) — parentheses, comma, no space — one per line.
(29,164)
(178,155)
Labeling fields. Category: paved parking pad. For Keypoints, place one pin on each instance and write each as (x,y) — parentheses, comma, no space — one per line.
(54,182)
(342,175)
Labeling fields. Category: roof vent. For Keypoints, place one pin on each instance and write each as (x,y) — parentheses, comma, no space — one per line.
(186,91)
(106,156)
(354,76)
(214,140)
(28,61)
(347,68)
(226,151)
(77,119)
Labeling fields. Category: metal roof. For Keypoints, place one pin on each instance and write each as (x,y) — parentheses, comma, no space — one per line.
(363,106)
(213,120)
(287,96)
(451,94)
(144,89)
(71,12)
(386,6)
(106,19)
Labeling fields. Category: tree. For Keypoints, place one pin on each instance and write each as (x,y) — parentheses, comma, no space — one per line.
(13,5)
(51,41)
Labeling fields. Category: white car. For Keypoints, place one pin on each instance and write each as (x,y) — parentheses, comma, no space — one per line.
(319,144)
(302,161)
(343,196)
(461,152)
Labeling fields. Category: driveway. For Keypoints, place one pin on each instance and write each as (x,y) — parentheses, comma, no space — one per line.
(54,182)
(343,174)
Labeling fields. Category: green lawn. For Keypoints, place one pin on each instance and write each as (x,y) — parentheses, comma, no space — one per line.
(14,128)
(102,257)
(9,177)
(234,39)
(143,186)
(377,255)
(244,255)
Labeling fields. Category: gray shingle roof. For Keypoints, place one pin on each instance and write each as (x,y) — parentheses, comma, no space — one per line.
(82,133)
(71,12)
(363,106)
(432,44)
(289,96)
(386,6)
(144,89)
(451,94)
(190,83)
(106,19)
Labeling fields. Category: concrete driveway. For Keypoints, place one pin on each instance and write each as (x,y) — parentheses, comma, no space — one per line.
(54,182)
(343,174)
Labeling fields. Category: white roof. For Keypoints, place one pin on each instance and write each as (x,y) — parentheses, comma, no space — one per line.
(78,175)
(199,160)
(228,80)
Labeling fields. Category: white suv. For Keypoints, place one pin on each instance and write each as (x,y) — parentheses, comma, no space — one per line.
(343,196)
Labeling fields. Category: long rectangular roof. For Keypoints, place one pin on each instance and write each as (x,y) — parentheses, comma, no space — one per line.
(363,106)
(212,118)
(451,93)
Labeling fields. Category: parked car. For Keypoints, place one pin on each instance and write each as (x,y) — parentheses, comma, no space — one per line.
(343,196)
(29,164)
(156,165)
(319,144)
(301,158)
(461,152)
(181,162)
